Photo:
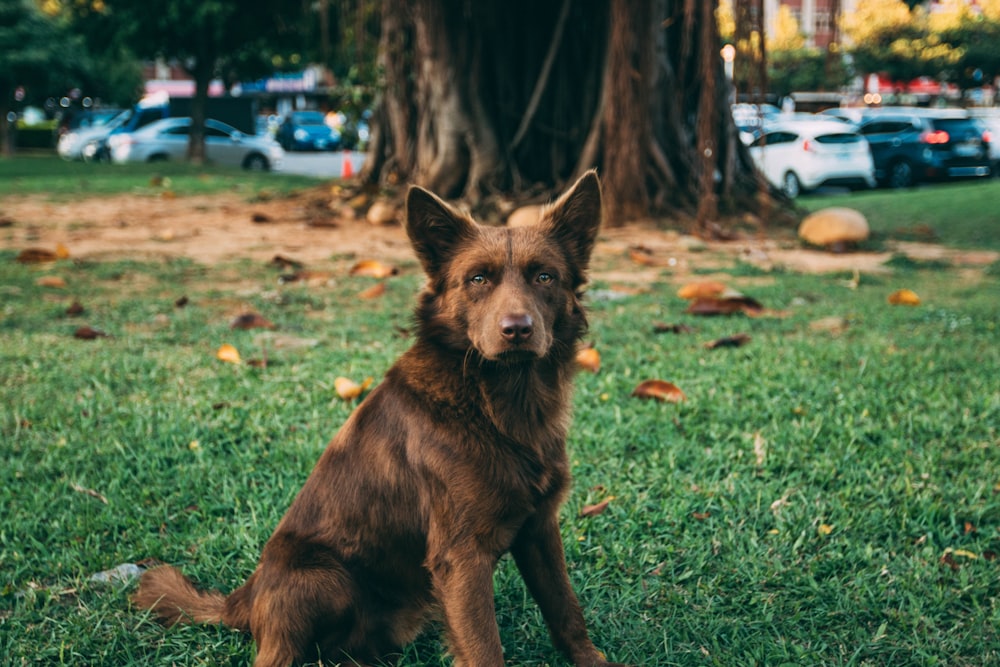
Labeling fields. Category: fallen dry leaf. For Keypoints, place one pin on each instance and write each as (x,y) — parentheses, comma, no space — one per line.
(89,492)
(589,359)
(642,256)
(373,269)
(54,282)
(286,262)
(759,448)
(833,324)
(41,255)
(373,292)
(663,327)
(228,353)
(89,333)
(659,390)
(594,510)
(904,297)
(75,308)
(248,321)
(736,340)
(348,389)
(725,306)
(824,529)
(181,302)
(704,289)
(700,516)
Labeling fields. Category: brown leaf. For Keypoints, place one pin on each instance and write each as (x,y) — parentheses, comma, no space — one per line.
(286,262)
(373,292)
(260,218)
(55,282)
(725,306)
(75,308)
(700,516)
(736,340)
(589,359)
(312,278)
(659,390)
(663,327)
(89,333)
(594,510)
(904,297)
(833,324)
(642,255)
(373,269)
(36,256)
(248,321)
(89,492)
(181,302)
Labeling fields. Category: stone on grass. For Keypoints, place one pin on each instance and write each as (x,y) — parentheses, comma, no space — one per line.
(835,228)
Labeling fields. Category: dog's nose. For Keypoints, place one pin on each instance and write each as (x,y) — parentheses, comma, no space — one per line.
(516,328)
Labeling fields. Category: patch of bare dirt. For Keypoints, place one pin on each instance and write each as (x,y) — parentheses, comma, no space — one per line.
(311,228)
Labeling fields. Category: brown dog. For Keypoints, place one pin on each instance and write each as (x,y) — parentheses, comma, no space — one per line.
(457,457)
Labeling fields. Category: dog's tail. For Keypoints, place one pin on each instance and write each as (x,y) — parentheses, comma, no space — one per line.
(172,598)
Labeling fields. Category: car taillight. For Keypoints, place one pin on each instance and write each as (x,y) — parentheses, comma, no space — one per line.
(935,137)
(987,137)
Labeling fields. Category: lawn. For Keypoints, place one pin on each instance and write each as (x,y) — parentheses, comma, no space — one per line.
(828,494)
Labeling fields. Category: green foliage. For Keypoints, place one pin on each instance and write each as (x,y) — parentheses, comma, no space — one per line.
(804,69)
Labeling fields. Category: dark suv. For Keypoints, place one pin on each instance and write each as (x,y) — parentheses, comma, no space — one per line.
(911,145)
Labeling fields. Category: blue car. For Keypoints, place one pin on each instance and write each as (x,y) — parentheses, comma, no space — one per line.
(307,131)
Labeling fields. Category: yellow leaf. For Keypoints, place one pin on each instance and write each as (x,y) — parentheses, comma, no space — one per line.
(373,269)
(228,353)
(589,359)
(904,297)
(965,554)
(348,389)
(824,529)
(51,281)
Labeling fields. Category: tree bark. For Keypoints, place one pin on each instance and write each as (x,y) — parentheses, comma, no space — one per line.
(480,102)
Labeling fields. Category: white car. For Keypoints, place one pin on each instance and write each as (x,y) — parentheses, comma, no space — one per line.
(800,154)
(88,143)
(167,139)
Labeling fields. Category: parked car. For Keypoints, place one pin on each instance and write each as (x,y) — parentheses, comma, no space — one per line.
(990,119)
(167,139)
(307,131)
(798,155)
(913,145)
(89,143)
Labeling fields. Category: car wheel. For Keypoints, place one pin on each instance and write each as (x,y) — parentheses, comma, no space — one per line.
(791,185)
(901,175)
(256,162)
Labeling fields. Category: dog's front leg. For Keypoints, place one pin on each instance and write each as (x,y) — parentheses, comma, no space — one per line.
(538,552)
(463,582)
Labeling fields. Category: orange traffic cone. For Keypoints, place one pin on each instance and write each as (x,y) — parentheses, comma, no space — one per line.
(346,168)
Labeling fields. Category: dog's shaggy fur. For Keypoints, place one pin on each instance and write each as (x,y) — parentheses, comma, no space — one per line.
(456,458)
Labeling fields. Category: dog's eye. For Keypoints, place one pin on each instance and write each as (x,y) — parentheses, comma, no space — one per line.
(545,278)
(478,279)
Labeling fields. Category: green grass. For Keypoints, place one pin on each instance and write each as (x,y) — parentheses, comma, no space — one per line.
(794,510)
(63,180)
(962,214)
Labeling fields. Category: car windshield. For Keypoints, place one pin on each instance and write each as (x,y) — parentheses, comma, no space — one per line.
(308,118)
(960,128)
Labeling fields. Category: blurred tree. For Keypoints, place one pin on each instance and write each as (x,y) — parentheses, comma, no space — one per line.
(224,39)
(478,101)
(34,54)
(787,35)
(975,38)
(889,38)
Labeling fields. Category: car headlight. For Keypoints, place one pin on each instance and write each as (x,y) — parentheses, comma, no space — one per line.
(301,135)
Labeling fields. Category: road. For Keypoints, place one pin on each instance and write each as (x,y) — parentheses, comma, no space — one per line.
(321,165)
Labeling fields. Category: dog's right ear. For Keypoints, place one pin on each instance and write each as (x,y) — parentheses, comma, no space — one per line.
(435,229)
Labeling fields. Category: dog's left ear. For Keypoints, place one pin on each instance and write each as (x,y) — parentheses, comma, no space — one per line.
(575,218)
(435,229)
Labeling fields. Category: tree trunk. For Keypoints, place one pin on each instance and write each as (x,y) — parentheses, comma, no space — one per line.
(488,100)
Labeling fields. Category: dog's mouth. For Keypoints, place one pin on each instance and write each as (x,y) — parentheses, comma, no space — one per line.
(515,356)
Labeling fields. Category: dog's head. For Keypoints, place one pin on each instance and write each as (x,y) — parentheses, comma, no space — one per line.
(511,295)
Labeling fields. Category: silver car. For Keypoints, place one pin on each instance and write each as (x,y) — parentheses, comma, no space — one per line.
(89,143)
(167,139)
